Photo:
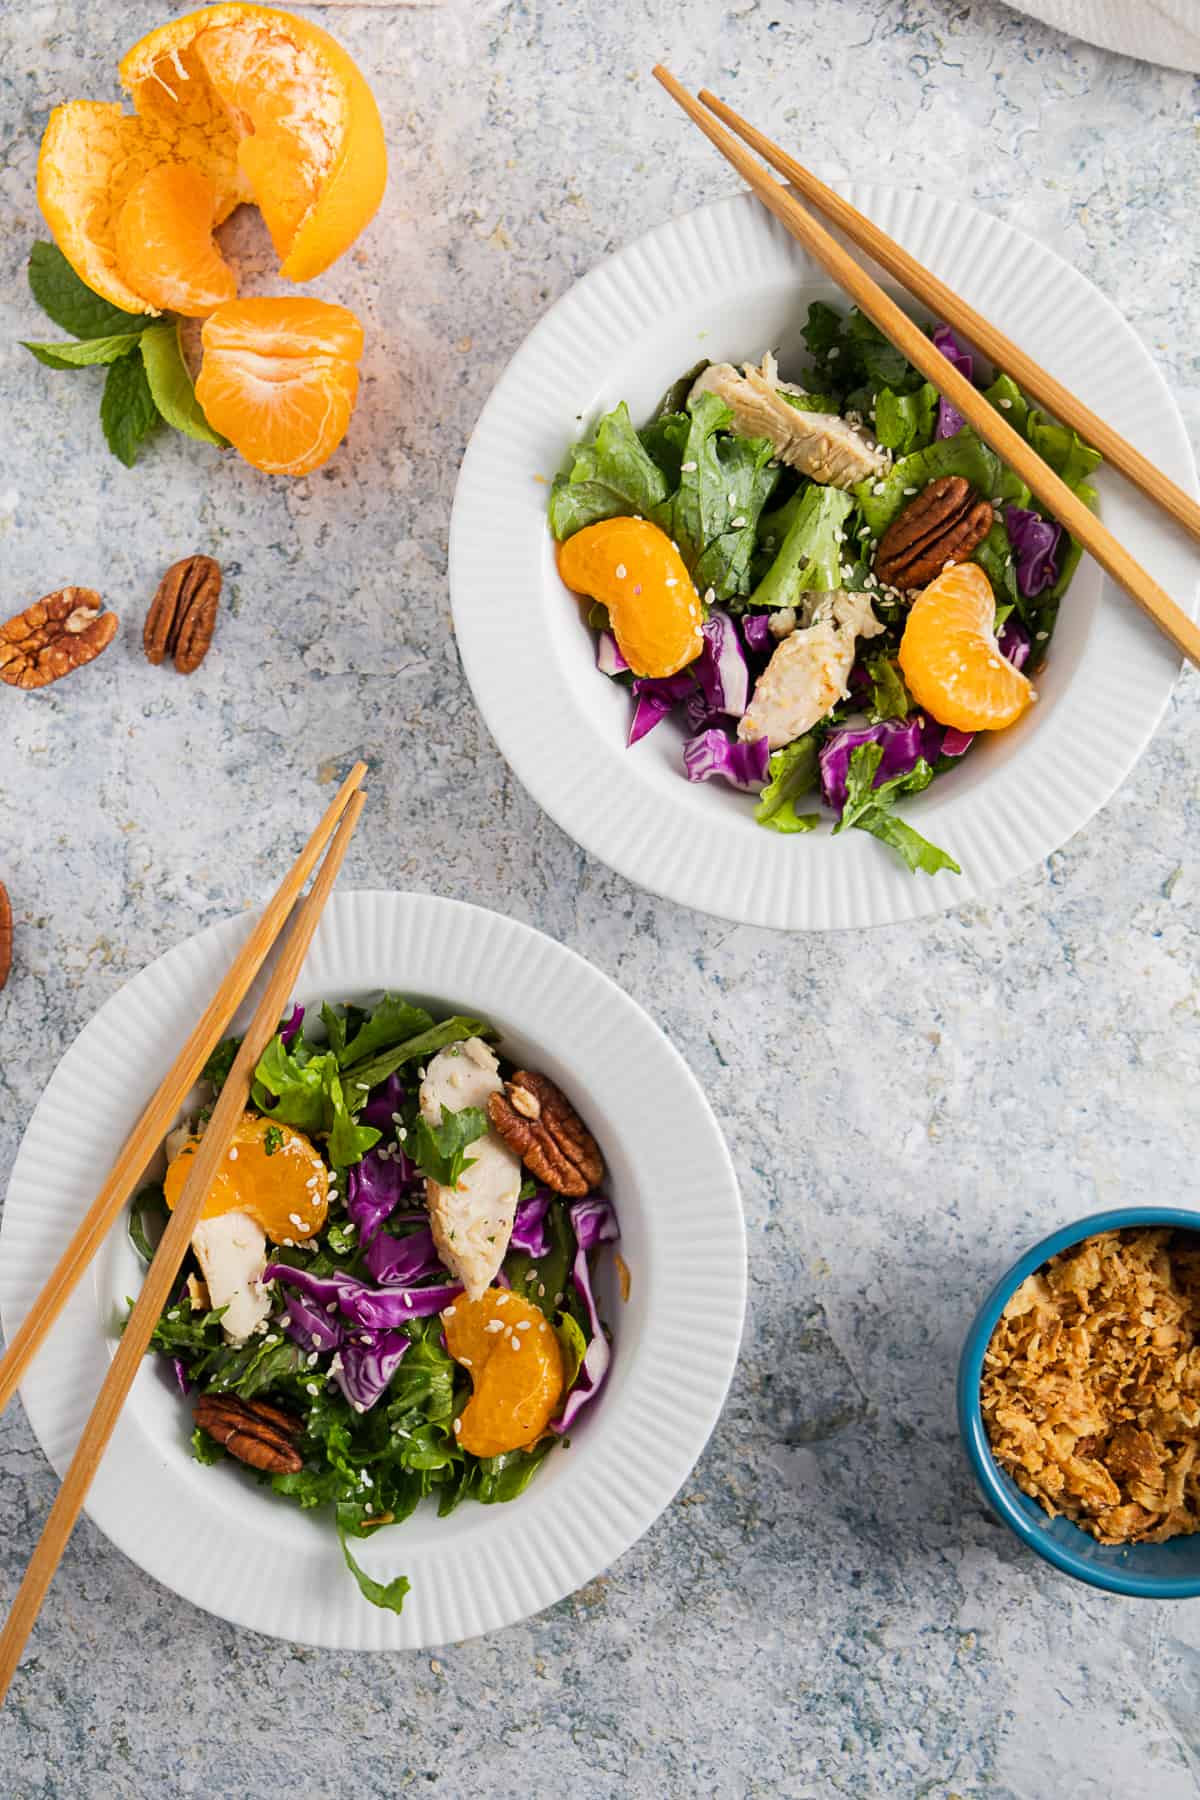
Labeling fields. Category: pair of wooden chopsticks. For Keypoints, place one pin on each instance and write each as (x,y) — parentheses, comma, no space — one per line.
(990,424)
(141,1145)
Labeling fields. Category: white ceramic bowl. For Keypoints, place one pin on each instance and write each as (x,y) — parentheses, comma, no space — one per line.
(228,1545)
(726,281)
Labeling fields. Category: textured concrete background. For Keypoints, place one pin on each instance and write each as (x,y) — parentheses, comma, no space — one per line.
(826,1610)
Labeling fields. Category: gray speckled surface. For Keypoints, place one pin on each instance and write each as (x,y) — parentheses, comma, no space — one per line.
(826,1609)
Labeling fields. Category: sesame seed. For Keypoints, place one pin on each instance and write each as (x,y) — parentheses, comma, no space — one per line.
(466,1362)
(738,524)
(688,468)
(494,1325)
(448,1312)
(1042,636)
(367,1507)
(310,1387)
(910,490)
(295,1219)
(397,1118)
(332,1307)
(457,1426)
(523,1325)
(1006,404)
(620,571)
(312,1360)
(501,1299)
(541,1290)
(358,1406)
(672,582)
(515,1342)
(233,1152)
(878,488)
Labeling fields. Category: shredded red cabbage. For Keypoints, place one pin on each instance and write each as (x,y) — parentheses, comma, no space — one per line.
(713,754)
(721,667)
(402,1261)
(288,1032)
(529,1224)
(609,659)
(594,1222)
(949,420)
(656,696)
(1035,543)
(370,1309)
(756,629)
(366,1363)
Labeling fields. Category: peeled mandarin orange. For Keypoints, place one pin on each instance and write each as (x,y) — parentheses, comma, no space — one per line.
(950,657)
(279,379)
(165,249)
(92,156)
(512,1355)
(272,1172)
(635,570)
(268,106)
(302,123)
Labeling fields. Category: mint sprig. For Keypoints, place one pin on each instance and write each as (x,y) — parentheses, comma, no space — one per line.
(148,381)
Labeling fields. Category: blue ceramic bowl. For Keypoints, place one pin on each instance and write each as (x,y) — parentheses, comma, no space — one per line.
(1169,1571)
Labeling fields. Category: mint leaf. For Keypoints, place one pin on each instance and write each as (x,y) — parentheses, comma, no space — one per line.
(869,808)
(171,384)
(127,410)
(791,772)
(389,1594)
(440,1151)
(71,303)
(86,354)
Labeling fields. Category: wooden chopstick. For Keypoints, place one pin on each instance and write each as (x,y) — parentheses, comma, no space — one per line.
(991,424)
(159,1115)
(169,1255)
(945,304)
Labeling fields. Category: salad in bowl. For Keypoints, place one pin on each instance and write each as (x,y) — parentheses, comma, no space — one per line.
(390,1291)
(832,584)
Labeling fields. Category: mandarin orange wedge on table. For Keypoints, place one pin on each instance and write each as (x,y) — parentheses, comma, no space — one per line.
(951,660)
(634,569)
(279,379)
(512,1355)
(267,106)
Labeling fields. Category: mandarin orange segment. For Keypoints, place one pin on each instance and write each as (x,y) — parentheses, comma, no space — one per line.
(951,660)
(272,1172)
(635,570)
(279,379)
(165,248)
(306,130)
(512,1355)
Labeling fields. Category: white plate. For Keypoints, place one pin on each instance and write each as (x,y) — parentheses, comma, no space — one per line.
(227,1545)
(727,281)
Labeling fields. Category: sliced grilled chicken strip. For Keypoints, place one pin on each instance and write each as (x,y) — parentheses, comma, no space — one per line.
(473,1222)
(823,446)
(809,670)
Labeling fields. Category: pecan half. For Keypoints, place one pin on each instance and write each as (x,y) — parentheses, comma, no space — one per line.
(253,1431)
(536,1119)
(183,613)
(942,525)
(54,636)
(5,934)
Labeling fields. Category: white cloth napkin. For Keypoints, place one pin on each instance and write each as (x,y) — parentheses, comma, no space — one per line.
(1157,31)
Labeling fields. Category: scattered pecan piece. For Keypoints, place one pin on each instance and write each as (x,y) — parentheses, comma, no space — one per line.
(253,1431)
(54,636)
(183,613)
(536,1119)
(5,934)
(942,525)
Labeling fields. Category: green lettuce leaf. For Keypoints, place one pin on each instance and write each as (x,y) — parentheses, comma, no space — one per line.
(573,1344)
(1008,398)
(1062,448)
(387,1594)
(393,1021)
(369,1071)
(148,1217)
(300,1088)
(713,514)
(889,695)
(964,454)
(666,440)
(609,474)
(869,808)
(810,556)
(906,422)
(791,772)
(216,1069)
